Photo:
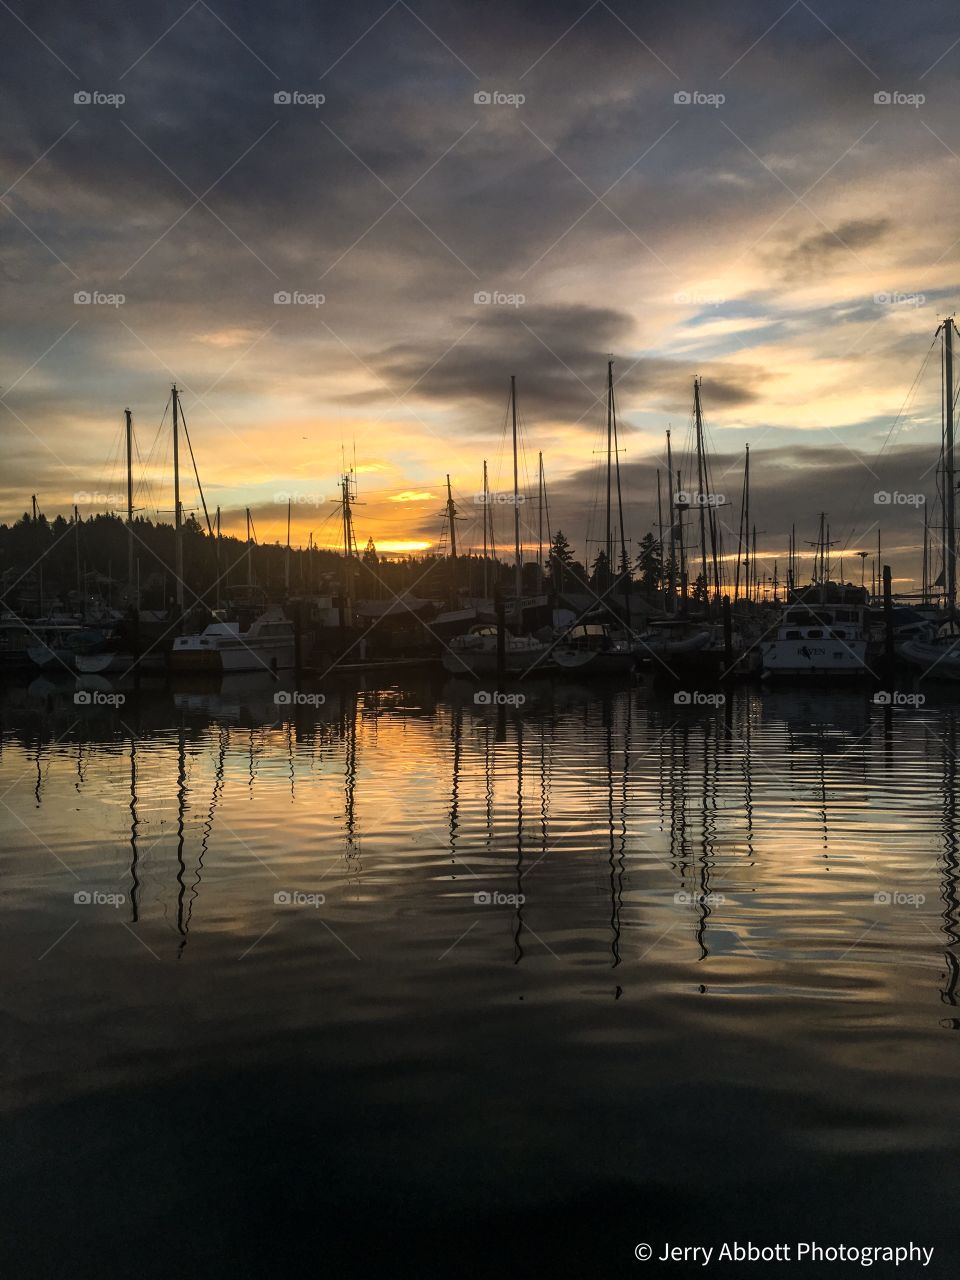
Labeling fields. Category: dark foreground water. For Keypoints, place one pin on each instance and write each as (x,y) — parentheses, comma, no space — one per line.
(272,1004)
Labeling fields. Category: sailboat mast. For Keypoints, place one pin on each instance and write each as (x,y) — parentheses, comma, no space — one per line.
(672,569)
(486,504)
(518,578)
(744,502)
(608,542)
(249,554)
(700,482)
(129,421)
(949,483)
(624,564)
(177,521)
(660,531)
(925,583)
(286,559)
(452,521)
(540,522)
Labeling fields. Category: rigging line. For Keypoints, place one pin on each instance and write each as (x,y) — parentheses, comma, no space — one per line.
(196,473)
(893,427)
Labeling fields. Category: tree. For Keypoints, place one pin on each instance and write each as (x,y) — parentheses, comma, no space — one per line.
(600,572)
(700,595)
(649,563)
(559,559)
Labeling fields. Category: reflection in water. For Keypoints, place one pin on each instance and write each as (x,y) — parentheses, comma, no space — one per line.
(768,889)
(764,826)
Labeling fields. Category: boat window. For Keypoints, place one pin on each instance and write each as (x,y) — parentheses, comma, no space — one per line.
(793,635)
(815,634)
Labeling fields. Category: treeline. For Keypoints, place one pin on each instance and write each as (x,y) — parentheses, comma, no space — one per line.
(43,561)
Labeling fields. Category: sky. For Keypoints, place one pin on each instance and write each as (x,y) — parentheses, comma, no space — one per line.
(341,229)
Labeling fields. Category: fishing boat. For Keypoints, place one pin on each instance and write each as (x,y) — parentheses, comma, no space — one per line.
(819,639)
(268,644)
(590,648)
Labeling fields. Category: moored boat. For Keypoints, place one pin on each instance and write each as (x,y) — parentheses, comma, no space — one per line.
(268,644)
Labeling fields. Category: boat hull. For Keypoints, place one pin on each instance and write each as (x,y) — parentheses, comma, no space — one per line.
(815,658)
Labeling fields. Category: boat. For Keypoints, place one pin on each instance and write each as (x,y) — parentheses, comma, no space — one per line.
(56,639)
(475,653)
(938,654)
(672,637)
(820,639)
(16,639)
(590,648)
(268,644)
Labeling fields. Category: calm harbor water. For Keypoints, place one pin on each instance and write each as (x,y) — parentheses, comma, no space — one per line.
(397,982)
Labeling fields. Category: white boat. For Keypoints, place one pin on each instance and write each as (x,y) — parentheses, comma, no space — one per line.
(938,654)
(672,637)
(591,649)
(818,640)
(268,644)
(475,654)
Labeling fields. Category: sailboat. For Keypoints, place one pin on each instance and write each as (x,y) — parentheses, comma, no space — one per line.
(477,652)
(938,654)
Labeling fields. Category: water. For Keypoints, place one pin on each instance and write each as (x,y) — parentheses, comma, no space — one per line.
(699,1024)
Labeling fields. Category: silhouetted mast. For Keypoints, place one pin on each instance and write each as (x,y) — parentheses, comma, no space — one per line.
(518,579)
(177,521)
